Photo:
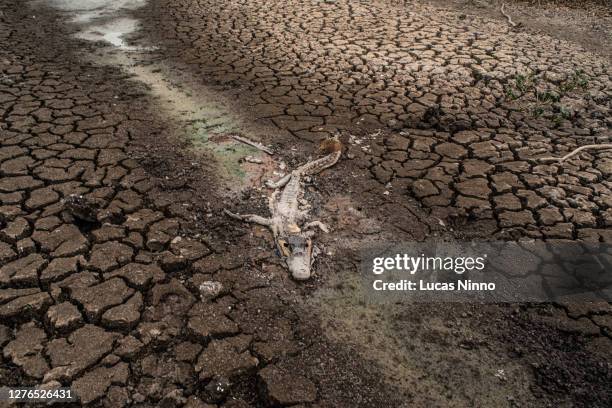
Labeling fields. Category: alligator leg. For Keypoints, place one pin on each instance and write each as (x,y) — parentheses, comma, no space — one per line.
(279,183)
(257,219)
(317,224)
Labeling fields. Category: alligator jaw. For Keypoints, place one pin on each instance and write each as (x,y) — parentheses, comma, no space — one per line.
(297,251)
(299,266)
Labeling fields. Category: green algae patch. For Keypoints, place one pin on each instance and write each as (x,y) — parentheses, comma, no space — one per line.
(229,156)
(213,135)
(202,130)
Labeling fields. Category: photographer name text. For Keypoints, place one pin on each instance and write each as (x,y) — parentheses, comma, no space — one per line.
(421,285)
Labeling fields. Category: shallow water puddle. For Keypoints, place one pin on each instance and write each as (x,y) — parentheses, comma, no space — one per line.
(112,32)
(87,10)
(102,20)
(207,124)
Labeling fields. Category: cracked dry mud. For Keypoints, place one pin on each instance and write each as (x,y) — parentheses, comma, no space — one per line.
(141,293)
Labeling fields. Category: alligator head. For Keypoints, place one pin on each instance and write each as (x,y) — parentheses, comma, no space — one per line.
(297,251)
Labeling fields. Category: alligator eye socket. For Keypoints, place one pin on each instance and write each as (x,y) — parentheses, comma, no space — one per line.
(285,248)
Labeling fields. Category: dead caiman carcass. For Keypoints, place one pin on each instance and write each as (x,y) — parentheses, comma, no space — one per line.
(292,234)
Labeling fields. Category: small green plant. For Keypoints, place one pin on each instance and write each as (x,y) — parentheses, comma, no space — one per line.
(578,79)
(564,112)
(561,113)
(547,96)
(537,111)
(510,94)
(542,97)
(521,82)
